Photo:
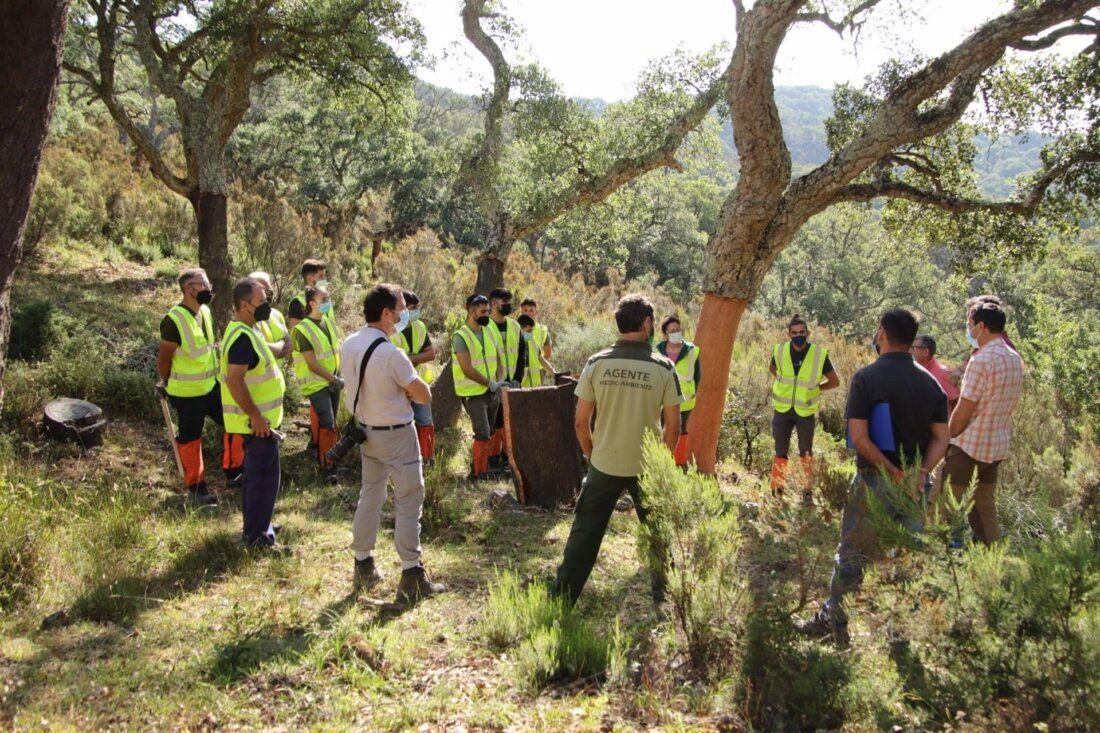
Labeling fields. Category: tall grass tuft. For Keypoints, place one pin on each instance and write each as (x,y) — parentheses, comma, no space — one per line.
(552,642)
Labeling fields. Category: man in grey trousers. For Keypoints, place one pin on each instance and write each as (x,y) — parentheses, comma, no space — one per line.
(384,388)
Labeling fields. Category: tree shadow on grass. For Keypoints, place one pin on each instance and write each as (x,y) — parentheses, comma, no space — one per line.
(122,600)
(246,655)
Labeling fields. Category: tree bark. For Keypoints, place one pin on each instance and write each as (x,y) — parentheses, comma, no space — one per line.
(715,336)
(31,45)
(490,273)
(493,259)
(446,405)
(542,444)
(213,228)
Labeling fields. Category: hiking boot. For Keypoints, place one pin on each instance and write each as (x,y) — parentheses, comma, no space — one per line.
(331,475)
(199,495)
(415,586)
(367,574)
(827,624)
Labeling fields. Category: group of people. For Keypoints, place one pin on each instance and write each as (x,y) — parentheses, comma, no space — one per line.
(904,410)
(238,382)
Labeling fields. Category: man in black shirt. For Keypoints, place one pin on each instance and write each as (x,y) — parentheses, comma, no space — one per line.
(186,371)
(918,422)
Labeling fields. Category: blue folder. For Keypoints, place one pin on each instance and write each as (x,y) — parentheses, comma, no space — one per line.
(880,427)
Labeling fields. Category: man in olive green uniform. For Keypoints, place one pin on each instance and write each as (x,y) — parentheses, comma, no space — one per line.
(630,388)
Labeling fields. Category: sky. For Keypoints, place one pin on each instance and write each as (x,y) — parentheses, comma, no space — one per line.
(596,48)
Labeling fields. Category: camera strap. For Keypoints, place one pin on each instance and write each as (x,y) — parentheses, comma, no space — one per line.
(363,371)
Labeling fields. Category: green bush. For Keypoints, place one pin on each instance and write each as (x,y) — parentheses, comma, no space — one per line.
(140,251)
(552,641)
(1024,628)
(34,331)
(574,343)
(693,528)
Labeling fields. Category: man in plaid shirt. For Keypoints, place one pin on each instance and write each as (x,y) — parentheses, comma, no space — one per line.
(981,425)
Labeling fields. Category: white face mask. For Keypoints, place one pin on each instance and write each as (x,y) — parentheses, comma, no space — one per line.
(676,337)
(321,284)
(970,338)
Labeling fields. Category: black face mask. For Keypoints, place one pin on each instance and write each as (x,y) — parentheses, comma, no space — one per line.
(483,320)
(204,297)
(262,312)
(798,341)
(505,309)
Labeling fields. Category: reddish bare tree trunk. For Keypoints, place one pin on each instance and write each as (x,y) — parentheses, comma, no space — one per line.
(213,229)
(31,45)
(715,336)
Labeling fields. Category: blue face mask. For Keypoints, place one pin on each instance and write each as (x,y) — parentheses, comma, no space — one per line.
(325,308)
(527,335)
(403,322)
(414,314)
(970,337)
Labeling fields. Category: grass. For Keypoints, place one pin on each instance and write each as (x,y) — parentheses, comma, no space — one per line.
(170,624)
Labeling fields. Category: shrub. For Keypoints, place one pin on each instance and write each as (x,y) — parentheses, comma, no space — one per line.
(33,331)
(1023,628)
(553,642)
(693,528)
(575,343)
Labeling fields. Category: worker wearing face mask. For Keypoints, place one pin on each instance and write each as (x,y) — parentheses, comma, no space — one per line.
(685,355)
(537,368)
(802,372)
(414,340)
(317,368)
(507,337)
(274,330)
(478,373)
(313,275)
(187,367)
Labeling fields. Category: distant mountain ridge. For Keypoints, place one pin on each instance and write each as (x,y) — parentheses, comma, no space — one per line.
(804,109)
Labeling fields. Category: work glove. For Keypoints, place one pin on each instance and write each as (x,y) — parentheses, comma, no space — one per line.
(494,385)
(160,389)
(337,384)
(514,384)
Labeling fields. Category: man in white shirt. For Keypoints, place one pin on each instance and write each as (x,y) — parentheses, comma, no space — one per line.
(391,450)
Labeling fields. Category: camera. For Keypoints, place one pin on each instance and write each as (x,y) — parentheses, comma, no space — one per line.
(353,436)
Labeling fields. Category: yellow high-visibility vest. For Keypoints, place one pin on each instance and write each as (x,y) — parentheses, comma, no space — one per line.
(194,363)
(325,349)
(800,391)
(532,375)
(274,328)
(484,361)
(265,382)
(508,347)
(685,370)
(419,336)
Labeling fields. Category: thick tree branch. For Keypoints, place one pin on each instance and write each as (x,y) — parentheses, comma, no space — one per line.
(903,117)
(1087,27)
(849,22)
(1023,206)
(596,188)
(491,145)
